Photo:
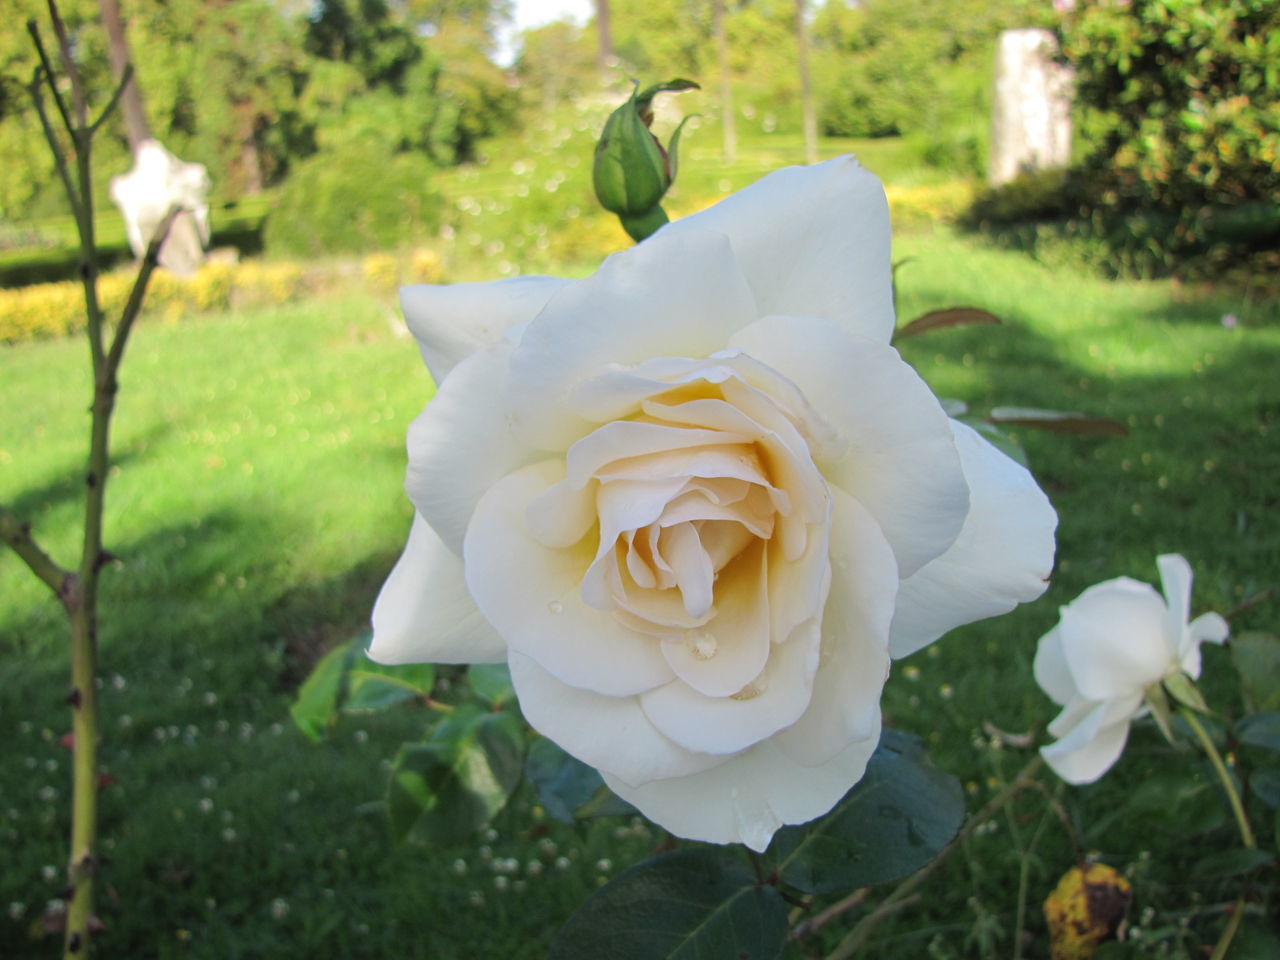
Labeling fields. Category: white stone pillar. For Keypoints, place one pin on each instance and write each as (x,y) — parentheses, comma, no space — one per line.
(1031,110)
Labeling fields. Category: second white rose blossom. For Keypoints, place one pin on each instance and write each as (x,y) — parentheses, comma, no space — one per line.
(1110,645)
(697,502)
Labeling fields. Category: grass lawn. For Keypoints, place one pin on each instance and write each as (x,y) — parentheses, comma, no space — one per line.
(256,505)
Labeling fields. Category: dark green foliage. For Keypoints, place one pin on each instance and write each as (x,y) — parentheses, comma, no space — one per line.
(698,904)
(1187,100)
(896,819)
(455,783)
(354,199)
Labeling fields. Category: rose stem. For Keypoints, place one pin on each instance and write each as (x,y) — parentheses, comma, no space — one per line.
(1246,832)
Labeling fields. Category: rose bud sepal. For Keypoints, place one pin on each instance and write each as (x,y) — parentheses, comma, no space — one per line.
(632,171)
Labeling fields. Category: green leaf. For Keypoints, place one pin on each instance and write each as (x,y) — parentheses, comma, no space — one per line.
(941,319)
(448,788)
(1265,784)
(375,686)
(1230,863)
(697,904)
(1260,730)
(491,682)
(896,819)
(1253,941)
(569,789)
(1056,421)
(315,710)
(563,783)
(1257,660)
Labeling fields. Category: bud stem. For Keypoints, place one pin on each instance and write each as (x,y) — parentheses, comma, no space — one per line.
(645,225)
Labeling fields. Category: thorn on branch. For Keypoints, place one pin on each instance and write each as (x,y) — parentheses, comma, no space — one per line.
(91,480)
(73,698)
(104,557)
(73,943)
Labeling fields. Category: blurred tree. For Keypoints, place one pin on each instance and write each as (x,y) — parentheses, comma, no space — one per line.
(222,79)
(893,66)
(555,63)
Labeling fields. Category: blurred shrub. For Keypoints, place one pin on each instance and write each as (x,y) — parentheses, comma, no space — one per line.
(1042,195)
(1185,101)
(55,309)
(352,200)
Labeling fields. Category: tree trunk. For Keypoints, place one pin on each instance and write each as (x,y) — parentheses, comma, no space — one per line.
(806,89)
(604,33)
(726,84)
(135,118)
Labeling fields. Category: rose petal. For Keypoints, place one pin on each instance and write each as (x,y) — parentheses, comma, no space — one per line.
(1051,670)
(721,657)
(1114,639)
(609,733)
(812,241)
(845,705)
(425,615)
(1175,577)
(1094,742)
(459,447)
(747,799)
(901,462)
(1002,557)
(1206,628)
(531,595)
(452,322)
(677,296)
(627,440)
(729,724)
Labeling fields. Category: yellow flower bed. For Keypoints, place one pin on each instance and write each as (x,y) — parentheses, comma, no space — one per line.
(56,309)
(932,203)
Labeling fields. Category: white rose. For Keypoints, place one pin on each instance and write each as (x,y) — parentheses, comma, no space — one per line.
(1111,643)
(696,501)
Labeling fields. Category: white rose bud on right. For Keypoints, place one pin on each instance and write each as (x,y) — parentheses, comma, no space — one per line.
(1110,645)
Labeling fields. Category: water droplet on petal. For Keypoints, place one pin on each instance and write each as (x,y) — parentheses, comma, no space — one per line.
(555,606)
(702,644)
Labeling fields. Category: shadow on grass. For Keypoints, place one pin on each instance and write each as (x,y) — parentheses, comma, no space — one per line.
(66,482)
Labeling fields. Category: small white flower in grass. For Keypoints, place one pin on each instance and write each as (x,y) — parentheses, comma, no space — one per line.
(17,910)
(697,503)
(279,908)
(1111,644)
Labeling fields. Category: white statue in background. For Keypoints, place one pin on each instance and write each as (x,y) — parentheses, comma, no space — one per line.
(1031,111)
(157,182)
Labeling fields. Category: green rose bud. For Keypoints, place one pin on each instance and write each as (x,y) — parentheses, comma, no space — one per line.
(632,172)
